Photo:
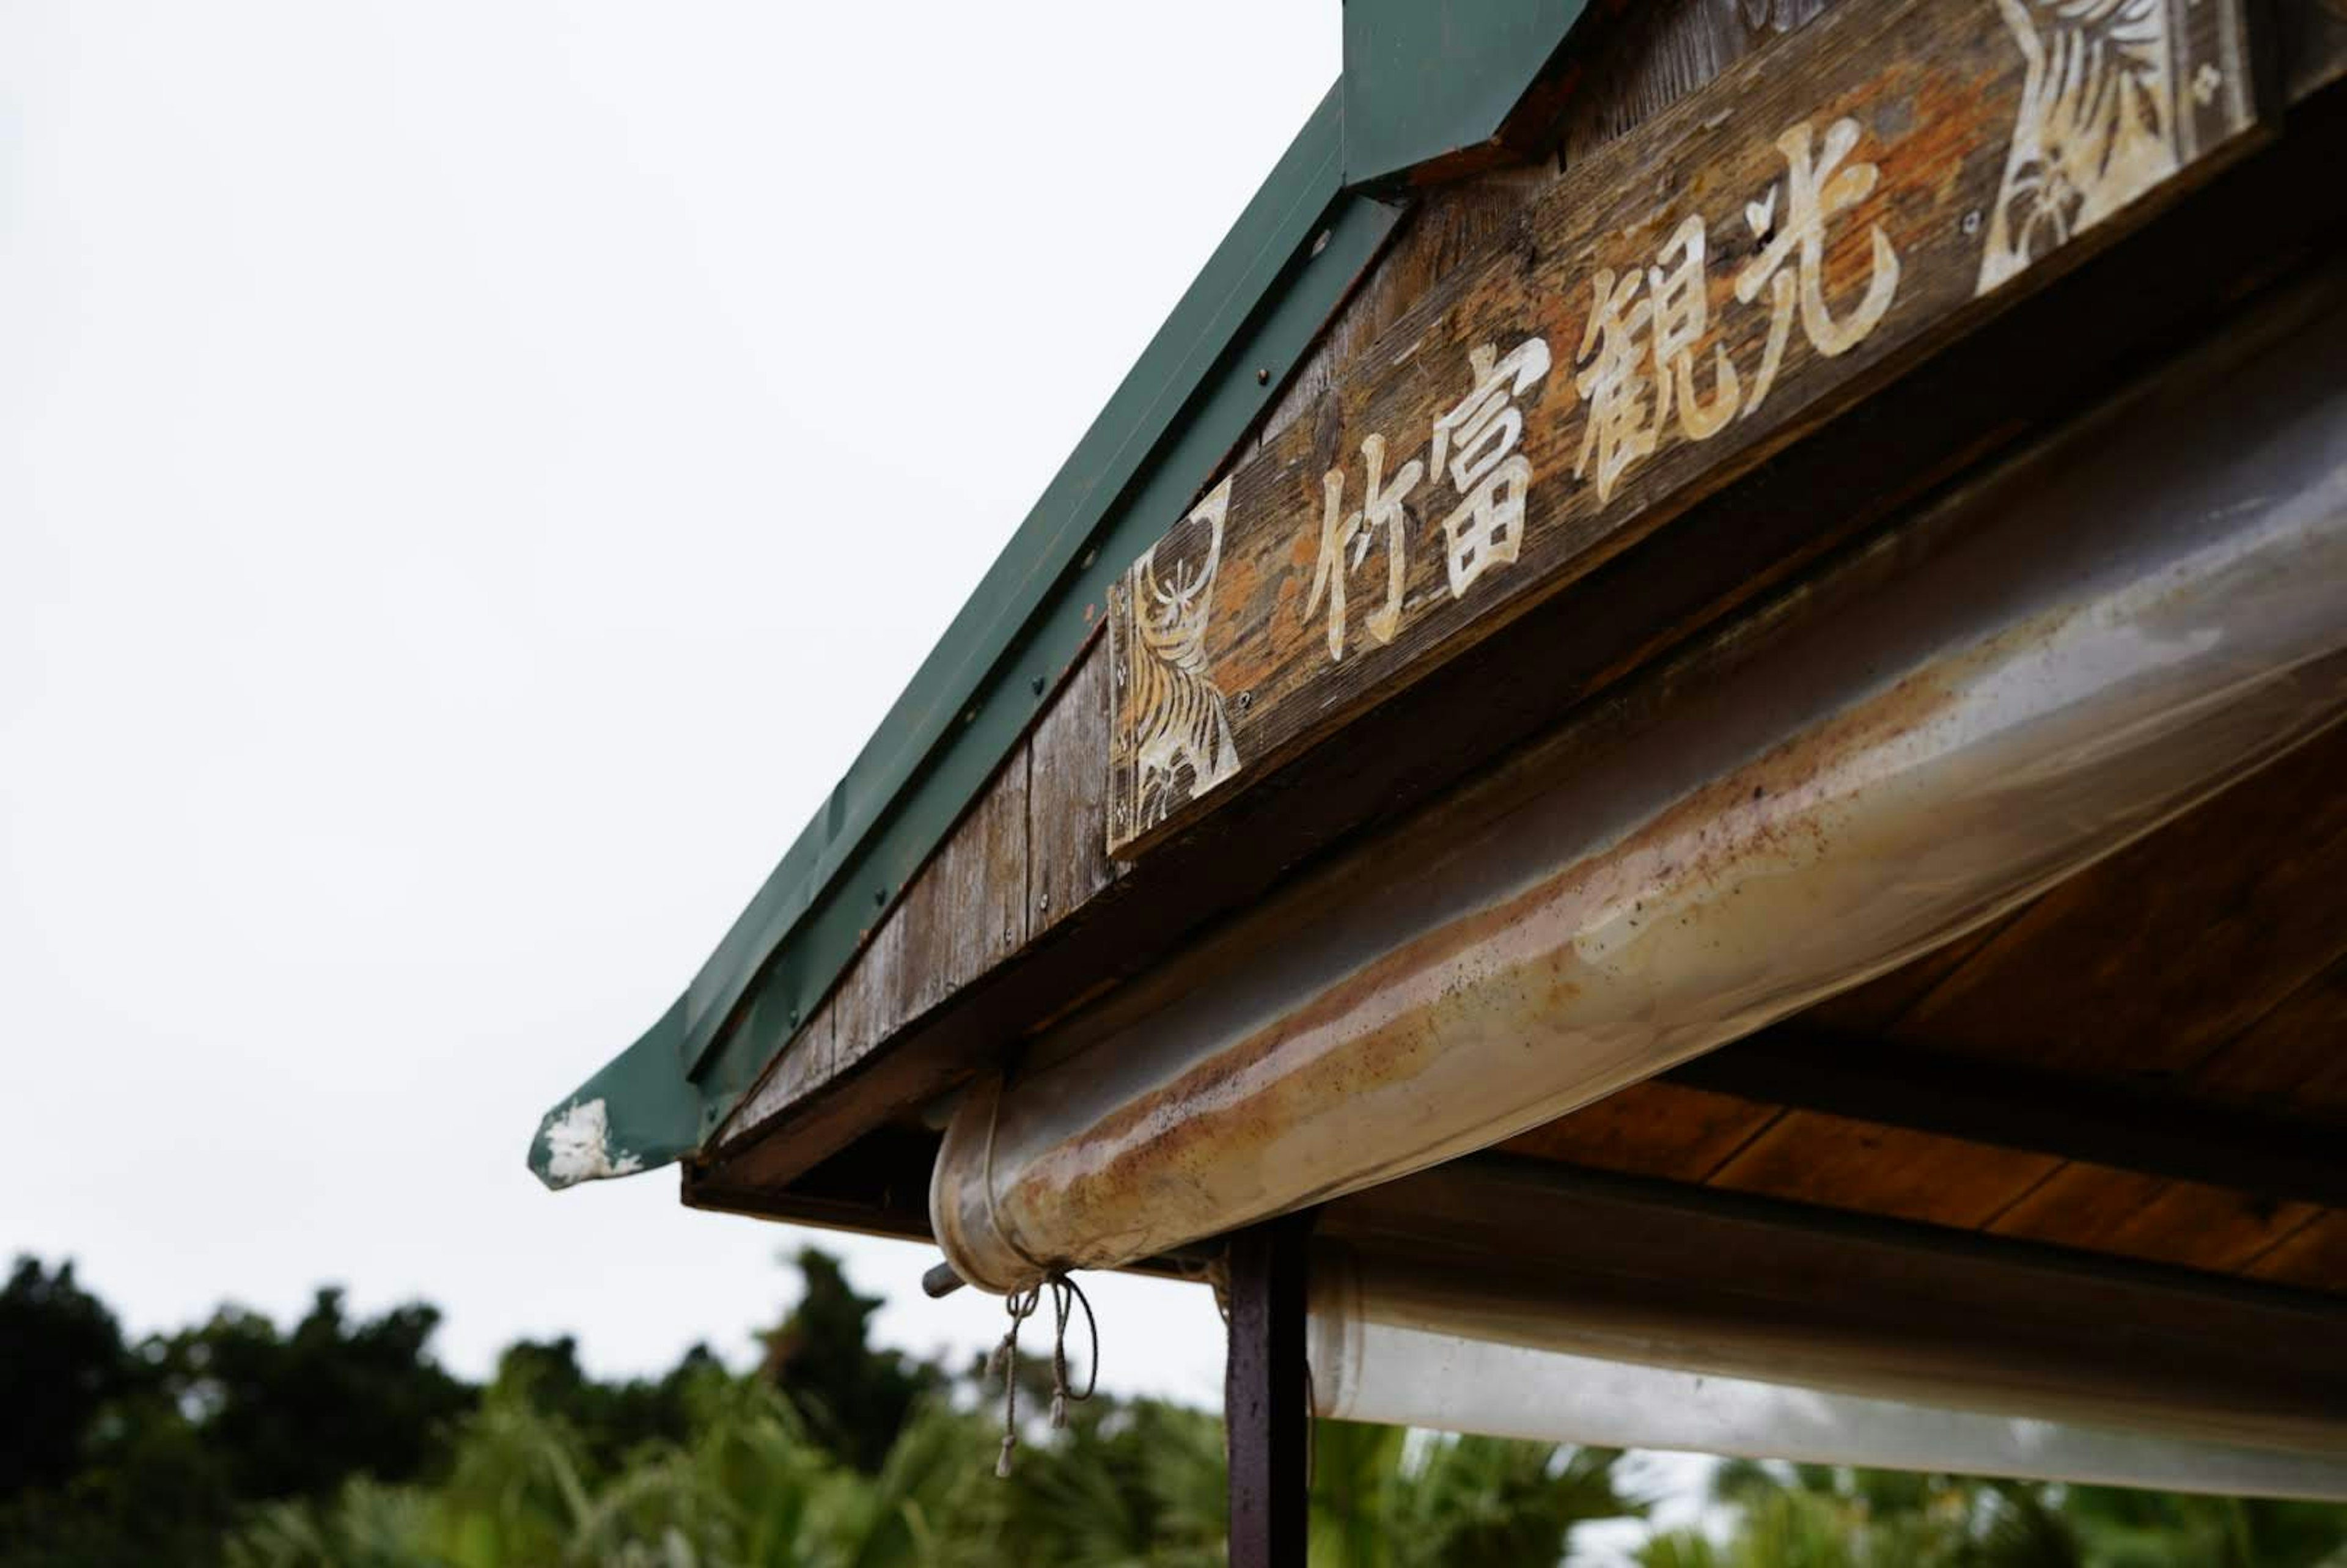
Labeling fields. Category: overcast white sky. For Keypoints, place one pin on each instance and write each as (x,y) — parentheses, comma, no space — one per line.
(470,478)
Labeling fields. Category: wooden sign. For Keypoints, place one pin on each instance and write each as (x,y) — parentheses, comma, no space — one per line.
(1674,309)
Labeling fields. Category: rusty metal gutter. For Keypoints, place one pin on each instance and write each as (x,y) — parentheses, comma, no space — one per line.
(2042,668)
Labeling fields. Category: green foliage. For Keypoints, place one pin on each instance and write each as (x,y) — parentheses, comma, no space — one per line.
(342,1444)
(65,1363)
(149,1454)
(854,1398)
(1816,1516)
(1383,1499)
(611,1419)
(294,1414)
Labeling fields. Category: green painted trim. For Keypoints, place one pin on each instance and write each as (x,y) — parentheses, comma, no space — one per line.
(639,1113)
(1223,354)
(1424,78)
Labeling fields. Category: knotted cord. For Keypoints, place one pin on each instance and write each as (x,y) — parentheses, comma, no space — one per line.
(1022,1304)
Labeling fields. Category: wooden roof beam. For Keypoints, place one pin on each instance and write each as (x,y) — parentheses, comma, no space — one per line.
(2098,1122)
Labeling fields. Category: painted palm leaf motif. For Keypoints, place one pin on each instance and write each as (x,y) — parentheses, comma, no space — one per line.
(2097,126)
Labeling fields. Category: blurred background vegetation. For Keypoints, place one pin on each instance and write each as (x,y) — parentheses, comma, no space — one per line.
(342,1441)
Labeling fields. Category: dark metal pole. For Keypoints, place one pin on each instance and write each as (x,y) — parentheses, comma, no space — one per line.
(1265,1391)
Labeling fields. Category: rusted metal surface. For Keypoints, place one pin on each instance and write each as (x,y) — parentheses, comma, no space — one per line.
(2047,666)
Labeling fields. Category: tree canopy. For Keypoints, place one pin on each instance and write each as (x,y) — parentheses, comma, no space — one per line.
(343,1442)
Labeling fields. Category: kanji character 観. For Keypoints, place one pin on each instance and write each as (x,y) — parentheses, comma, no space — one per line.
(1622,426)
(1681,316)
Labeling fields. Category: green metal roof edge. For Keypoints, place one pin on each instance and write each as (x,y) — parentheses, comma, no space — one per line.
(1426,79)
(1254,312)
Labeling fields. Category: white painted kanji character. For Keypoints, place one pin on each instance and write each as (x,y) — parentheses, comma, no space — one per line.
(1682,315)
(1817,188)
(1339,532)
(1479,437)
(1622,426)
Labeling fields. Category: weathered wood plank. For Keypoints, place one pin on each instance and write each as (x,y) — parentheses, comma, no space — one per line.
(2313,44)
(1623,73)
(1446,228)
(1067,798)
(1835,1162)
(2097,1209)
(2293,1061)
(968,910)
(2146,963)
(1649,1129)
(868,1004)
(964,912)
(1649,56)
(1765,252)
(804,1061)
(2314,1258)
(1869,1011)
(2105,1121)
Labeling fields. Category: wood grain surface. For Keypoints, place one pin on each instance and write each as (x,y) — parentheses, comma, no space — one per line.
(1666,316)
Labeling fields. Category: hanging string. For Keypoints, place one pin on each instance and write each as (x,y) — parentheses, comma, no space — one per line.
(1022,1304)
(1066,1295)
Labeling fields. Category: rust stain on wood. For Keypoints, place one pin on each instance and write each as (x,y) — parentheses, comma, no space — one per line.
(1666,316)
